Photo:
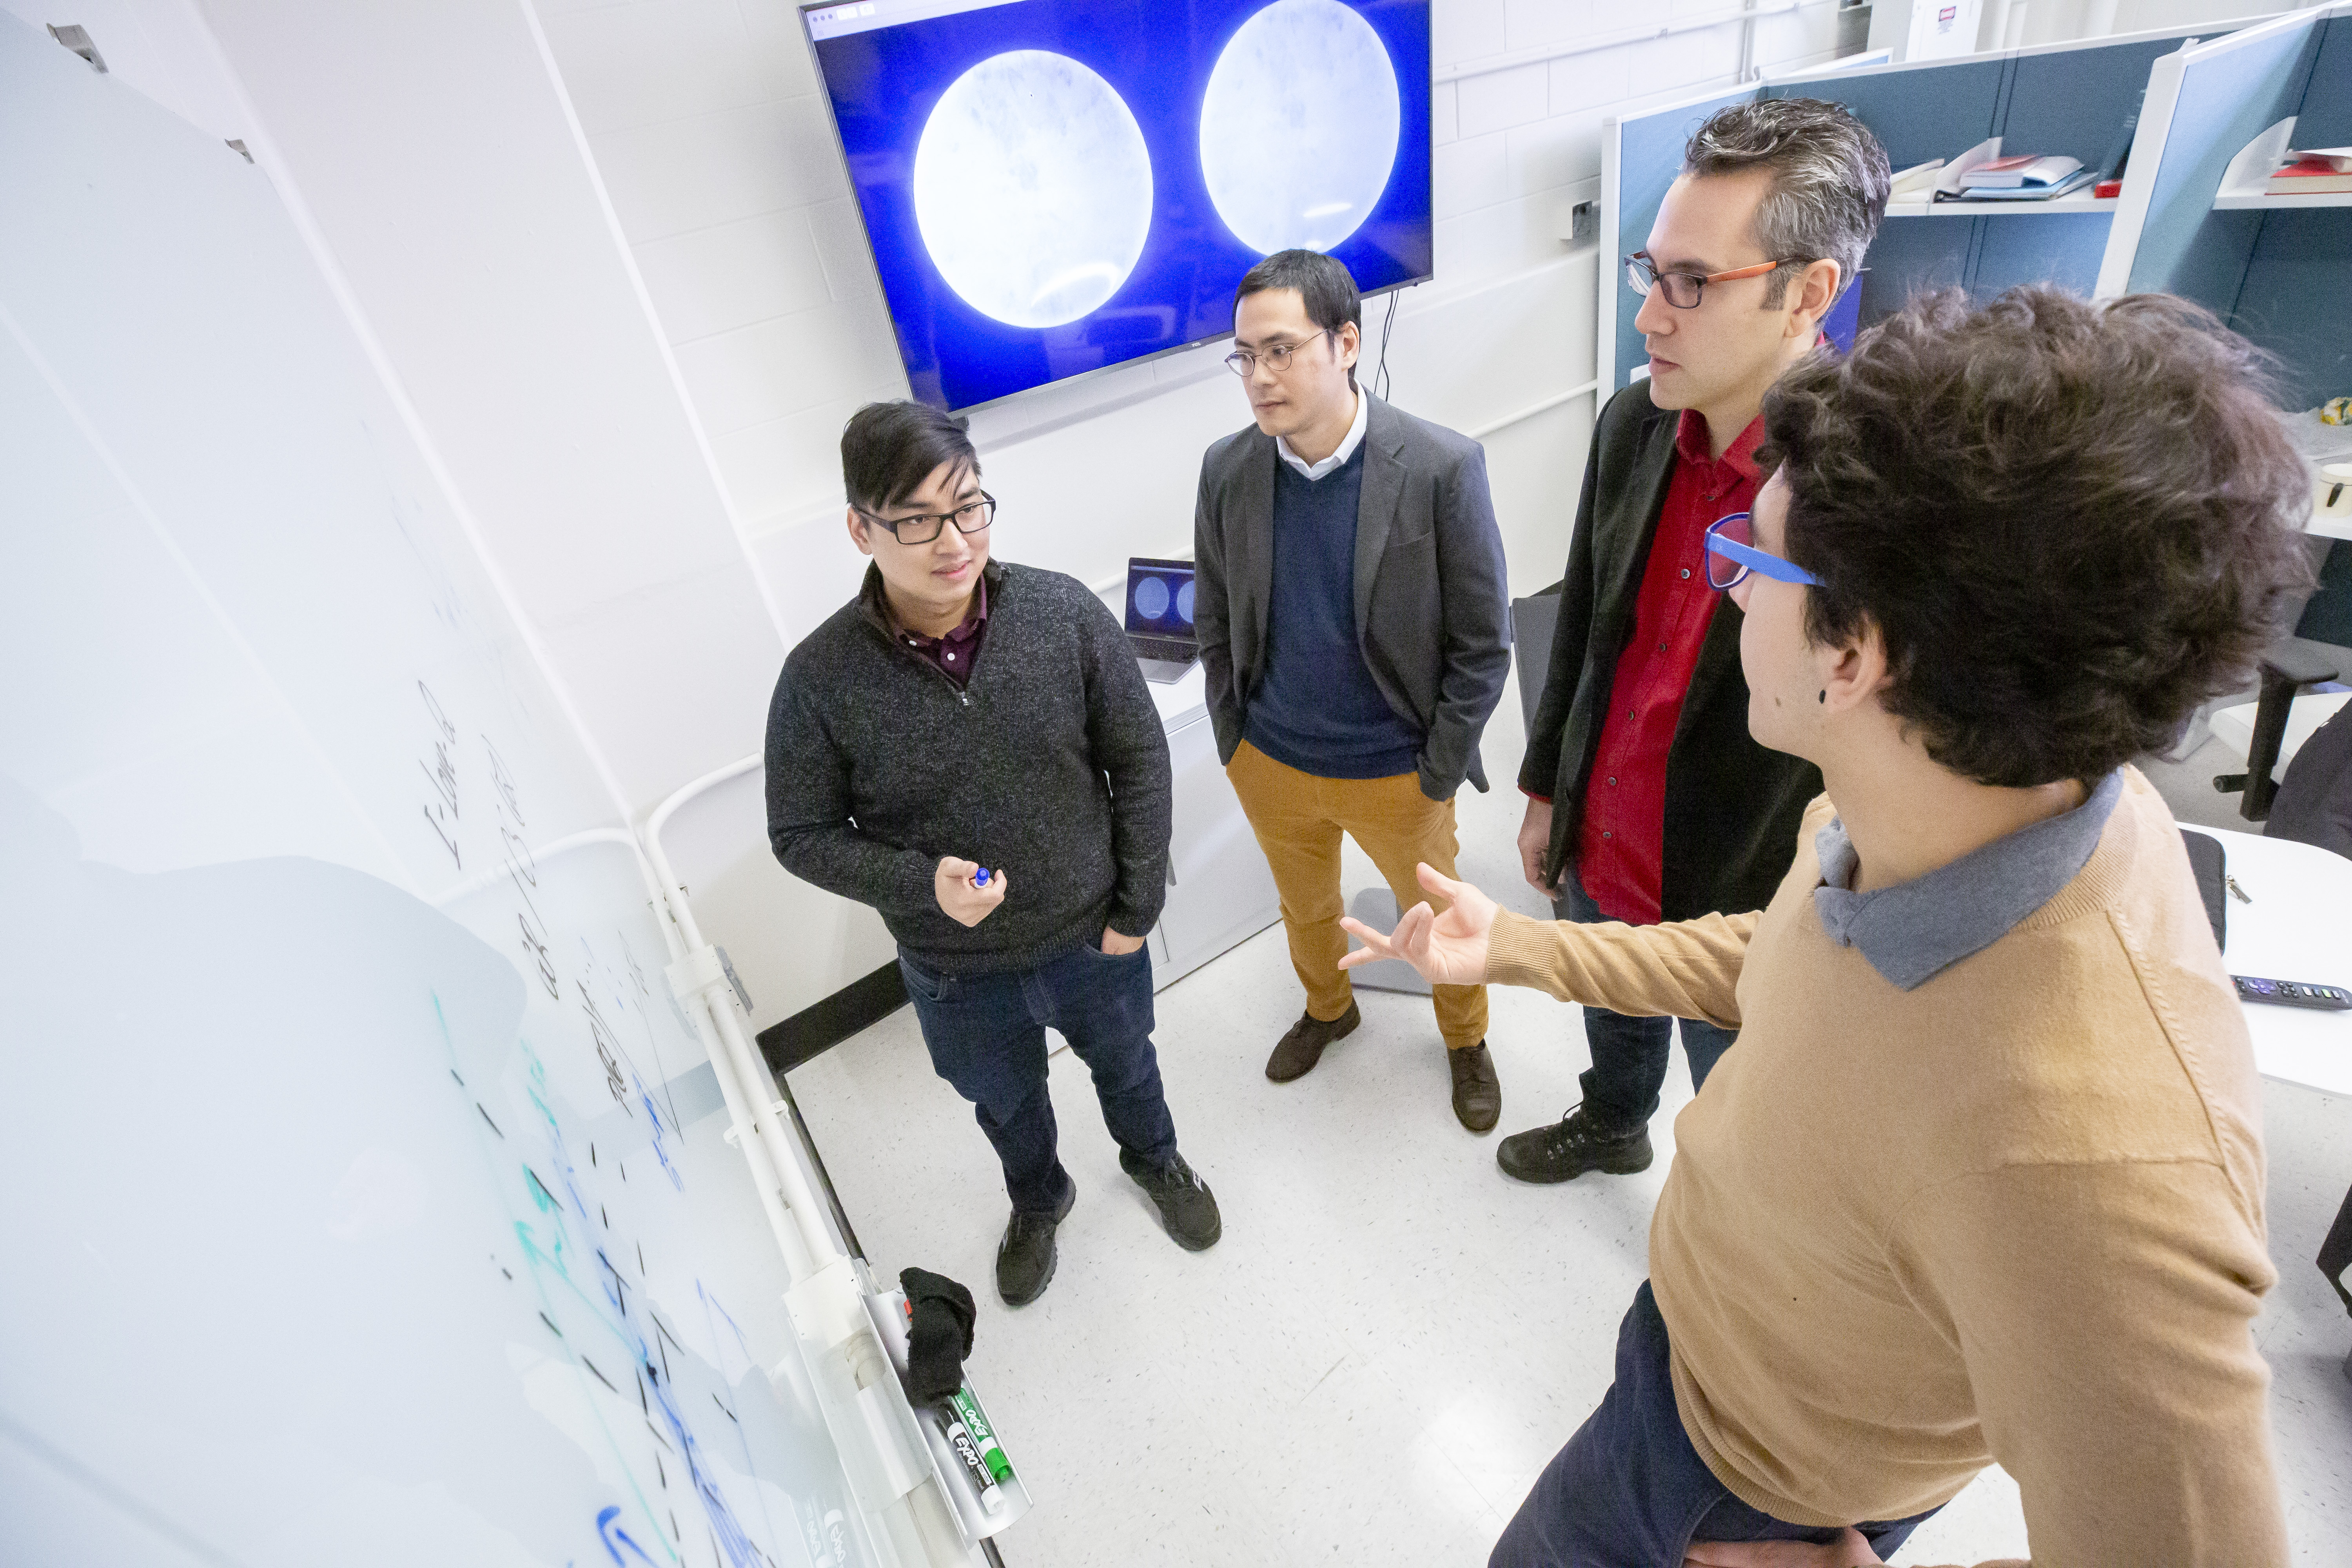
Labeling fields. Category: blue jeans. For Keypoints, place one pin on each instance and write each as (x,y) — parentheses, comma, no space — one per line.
(1630,1491)
(1628,1054)
(986,1034)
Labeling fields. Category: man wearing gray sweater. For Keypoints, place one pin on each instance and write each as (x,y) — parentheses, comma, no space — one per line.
(970,747)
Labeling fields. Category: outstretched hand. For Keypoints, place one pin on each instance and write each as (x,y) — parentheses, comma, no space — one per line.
(1448,949)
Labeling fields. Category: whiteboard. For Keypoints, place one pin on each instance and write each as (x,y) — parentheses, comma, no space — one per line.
(367,1203)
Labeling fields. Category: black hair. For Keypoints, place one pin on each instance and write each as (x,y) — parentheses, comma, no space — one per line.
(888,450)
(1324,286)
(2071,523)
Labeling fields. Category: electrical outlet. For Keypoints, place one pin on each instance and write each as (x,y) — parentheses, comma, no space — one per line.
(1583,223)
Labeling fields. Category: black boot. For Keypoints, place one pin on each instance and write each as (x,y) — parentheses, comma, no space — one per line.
(1025,1257)
(1572,1145)
(1186,1206)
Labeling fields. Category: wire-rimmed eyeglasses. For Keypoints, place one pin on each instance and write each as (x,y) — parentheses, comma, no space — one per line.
(1684,290)
(1242,361)
(1732,552)
(925,526)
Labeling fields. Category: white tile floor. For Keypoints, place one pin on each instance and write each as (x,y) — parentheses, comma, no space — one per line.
(1392,1338)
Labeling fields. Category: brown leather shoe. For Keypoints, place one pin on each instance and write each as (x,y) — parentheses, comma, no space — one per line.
(1478,1093)
(1301,1048)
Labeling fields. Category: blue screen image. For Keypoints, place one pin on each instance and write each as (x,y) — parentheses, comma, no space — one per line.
(1051,187)
(1160,597)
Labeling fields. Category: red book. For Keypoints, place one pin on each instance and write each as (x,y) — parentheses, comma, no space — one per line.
(2309,176)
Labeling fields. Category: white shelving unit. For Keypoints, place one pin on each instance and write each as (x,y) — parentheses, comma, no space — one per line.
(2244,184)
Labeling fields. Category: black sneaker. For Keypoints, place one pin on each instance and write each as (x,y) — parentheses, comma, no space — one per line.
(1571,1146)
(1186,1206)
(1025,1257)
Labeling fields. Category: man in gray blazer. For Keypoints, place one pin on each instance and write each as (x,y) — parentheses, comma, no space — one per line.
(1355,633)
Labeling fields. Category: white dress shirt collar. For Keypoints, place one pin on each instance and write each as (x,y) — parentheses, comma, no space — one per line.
(1346,449)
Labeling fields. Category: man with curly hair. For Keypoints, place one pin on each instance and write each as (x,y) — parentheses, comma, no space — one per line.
(1983,1180)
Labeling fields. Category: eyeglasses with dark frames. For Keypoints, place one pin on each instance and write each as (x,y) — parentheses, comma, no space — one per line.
(1732,552)
(925,526)
(1684,290)
(1243,362)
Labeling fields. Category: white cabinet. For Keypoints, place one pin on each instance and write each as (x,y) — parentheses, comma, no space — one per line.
(1220,891)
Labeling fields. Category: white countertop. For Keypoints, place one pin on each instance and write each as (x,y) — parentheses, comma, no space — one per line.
(2299,927)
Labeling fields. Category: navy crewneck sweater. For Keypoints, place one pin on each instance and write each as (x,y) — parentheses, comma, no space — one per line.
(1317,709)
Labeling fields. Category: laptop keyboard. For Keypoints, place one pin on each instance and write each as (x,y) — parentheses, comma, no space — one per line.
(1184,650)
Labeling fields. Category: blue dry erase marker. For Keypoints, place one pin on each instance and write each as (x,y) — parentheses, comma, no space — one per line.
(979,877)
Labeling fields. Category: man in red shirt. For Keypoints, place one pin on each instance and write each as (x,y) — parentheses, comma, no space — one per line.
(1647,799)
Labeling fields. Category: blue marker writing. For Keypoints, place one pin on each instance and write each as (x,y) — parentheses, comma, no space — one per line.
(979,877)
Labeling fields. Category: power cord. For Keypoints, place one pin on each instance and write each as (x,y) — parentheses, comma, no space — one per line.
(1381,371)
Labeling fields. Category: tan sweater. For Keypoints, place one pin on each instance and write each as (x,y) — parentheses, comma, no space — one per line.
(2013,1214)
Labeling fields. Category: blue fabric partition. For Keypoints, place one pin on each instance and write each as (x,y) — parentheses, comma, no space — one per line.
(1912,256)
(2326,120)
(2062,248)
(1649,156)
(1919,111)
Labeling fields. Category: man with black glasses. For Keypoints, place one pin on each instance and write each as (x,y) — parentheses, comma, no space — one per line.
(1647,799)
(969,747)
(1355,633)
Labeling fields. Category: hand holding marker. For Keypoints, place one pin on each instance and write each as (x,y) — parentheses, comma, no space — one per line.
(966,891)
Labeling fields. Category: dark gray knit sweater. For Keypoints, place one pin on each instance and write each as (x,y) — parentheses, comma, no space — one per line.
(1051,764)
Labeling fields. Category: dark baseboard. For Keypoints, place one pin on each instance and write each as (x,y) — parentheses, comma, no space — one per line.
(813,1030)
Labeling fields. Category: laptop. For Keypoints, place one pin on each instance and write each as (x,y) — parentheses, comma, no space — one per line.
(1159,617)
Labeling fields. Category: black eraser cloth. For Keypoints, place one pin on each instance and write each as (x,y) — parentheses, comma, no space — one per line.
(938,1334)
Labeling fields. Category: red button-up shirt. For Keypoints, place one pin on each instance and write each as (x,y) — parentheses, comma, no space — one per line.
(1621,842)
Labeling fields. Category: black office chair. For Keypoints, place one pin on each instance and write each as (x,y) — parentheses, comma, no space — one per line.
(2292,664)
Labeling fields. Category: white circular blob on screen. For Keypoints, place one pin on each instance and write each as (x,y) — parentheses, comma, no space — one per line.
(1033,188)
(1151,598)
(1298,127)
(1184,604)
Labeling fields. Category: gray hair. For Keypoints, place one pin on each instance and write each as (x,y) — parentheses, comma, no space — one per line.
(1830,179)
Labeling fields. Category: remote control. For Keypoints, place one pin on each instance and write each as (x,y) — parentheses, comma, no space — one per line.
(2293,993)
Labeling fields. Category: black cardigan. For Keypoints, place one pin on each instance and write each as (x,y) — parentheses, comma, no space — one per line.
(1732,807)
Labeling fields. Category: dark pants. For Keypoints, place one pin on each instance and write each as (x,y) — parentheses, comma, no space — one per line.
(1630,1055)
(986,1034)
(1630,1491)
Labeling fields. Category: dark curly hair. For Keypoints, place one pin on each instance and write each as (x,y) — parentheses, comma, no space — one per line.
(2071,523)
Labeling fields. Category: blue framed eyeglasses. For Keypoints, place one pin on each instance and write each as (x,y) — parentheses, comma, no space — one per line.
(1732,554)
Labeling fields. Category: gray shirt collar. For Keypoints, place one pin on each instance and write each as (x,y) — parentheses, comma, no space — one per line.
(1916,930)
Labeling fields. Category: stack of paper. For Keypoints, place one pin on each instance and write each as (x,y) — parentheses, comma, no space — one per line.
(2025,171)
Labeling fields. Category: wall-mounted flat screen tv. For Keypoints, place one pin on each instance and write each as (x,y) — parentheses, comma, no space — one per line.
(1052,187)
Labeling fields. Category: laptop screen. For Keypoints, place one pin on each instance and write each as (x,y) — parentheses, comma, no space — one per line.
(1160,597)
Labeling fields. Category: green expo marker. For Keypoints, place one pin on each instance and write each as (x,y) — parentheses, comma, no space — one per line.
(969,1428)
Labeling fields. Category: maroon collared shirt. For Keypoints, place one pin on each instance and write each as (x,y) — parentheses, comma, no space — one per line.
(1620,848)
(955,654)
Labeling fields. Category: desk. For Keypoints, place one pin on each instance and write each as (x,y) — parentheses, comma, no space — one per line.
(2299,927)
